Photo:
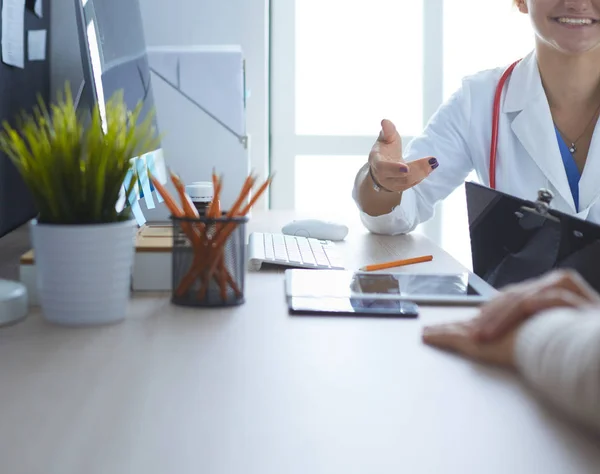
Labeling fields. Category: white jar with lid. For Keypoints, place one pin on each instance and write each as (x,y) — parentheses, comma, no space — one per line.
(201,193)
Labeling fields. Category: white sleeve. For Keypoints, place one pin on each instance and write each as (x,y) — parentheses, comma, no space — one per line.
(558,353)
(445,138)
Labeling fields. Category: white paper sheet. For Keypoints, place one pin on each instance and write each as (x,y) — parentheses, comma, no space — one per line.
(38,8)
(13,32)
(121,201)
(36,45)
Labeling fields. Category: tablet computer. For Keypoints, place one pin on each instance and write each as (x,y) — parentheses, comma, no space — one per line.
(353,307)
(363,288)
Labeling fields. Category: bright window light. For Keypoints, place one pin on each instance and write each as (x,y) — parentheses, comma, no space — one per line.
(472,45)
(356,63)
(97,72)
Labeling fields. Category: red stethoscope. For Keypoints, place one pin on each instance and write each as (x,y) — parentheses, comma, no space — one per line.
(495,120)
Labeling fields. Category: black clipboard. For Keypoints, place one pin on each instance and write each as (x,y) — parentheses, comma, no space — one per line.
(514,239)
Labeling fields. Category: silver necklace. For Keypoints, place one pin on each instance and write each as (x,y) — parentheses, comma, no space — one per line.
(573,147)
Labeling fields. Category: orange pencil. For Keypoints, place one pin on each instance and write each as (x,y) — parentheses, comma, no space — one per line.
(396,263)
(169,201)
(257,195)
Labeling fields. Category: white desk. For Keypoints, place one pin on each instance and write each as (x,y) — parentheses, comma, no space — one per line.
(252,390)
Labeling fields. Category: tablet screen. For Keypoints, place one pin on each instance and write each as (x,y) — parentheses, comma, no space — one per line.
(343,284)
(412,284)
(356,306)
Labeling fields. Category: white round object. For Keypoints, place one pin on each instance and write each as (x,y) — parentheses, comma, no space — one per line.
(200,191)
(84,271)
(316,229)
(13,302)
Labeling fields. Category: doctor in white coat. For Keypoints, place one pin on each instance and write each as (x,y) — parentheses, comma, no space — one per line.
(547,130)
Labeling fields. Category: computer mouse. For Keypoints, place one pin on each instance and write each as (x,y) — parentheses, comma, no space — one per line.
(316,229)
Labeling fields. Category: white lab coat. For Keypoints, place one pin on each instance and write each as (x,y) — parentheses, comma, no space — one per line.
(459,136)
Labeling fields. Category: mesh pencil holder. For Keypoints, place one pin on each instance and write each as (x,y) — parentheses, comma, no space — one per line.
(209,261)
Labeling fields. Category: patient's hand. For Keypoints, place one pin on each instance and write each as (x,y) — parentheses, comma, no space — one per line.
(490,337)
(457,337)
(518,302)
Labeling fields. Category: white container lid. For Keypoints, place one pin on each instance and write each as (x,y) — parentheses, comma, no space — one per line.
(200,191)
(13,302)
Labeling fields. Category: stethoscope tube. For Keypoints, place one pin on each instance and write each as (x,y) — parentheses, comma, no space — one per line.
(495,122)
(583,214)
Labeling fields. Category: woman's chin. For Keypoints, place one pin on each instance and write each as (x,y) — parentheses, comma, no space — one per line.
(578,42)
(576,46)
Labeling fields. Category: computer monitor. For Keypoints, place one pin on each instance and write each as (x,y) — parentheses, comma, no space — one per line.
(114,58)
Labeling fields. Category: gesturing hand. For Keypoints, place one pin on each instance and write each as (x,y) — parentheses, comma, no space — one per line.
(389,169)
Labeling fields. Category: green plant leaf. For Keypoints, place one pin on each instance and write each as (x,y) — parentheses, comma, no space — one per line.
(76,168)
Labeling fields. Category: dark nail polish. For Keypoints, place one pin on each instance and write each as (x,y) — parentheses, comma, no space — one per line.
(432,161)
(434,166)
(403,169)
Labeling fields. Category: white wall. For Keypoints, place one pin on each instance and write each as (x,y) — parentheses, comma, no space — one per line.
(181,23)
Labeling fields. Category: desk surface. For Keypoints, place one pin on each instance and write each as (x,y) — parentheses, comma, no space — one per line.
(253,390)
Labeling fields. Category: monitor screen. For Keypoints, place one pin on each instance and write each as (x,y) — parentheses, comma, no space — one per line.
(113,50)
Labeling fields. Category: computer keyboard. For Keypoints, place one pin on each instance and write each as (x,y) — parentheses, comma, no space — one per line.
(292,251)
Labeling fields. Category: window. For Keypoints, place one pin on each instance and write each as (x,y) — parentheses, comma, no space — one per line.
(499,42)
(313,190)
(339,67)
(350,66)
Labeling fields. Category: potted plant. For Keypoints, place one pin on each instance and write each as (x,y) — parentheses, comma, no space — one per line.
(76,169)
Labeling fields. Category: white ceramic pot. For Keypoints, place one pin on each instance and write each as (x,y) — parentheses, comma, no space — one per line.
(84,271)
